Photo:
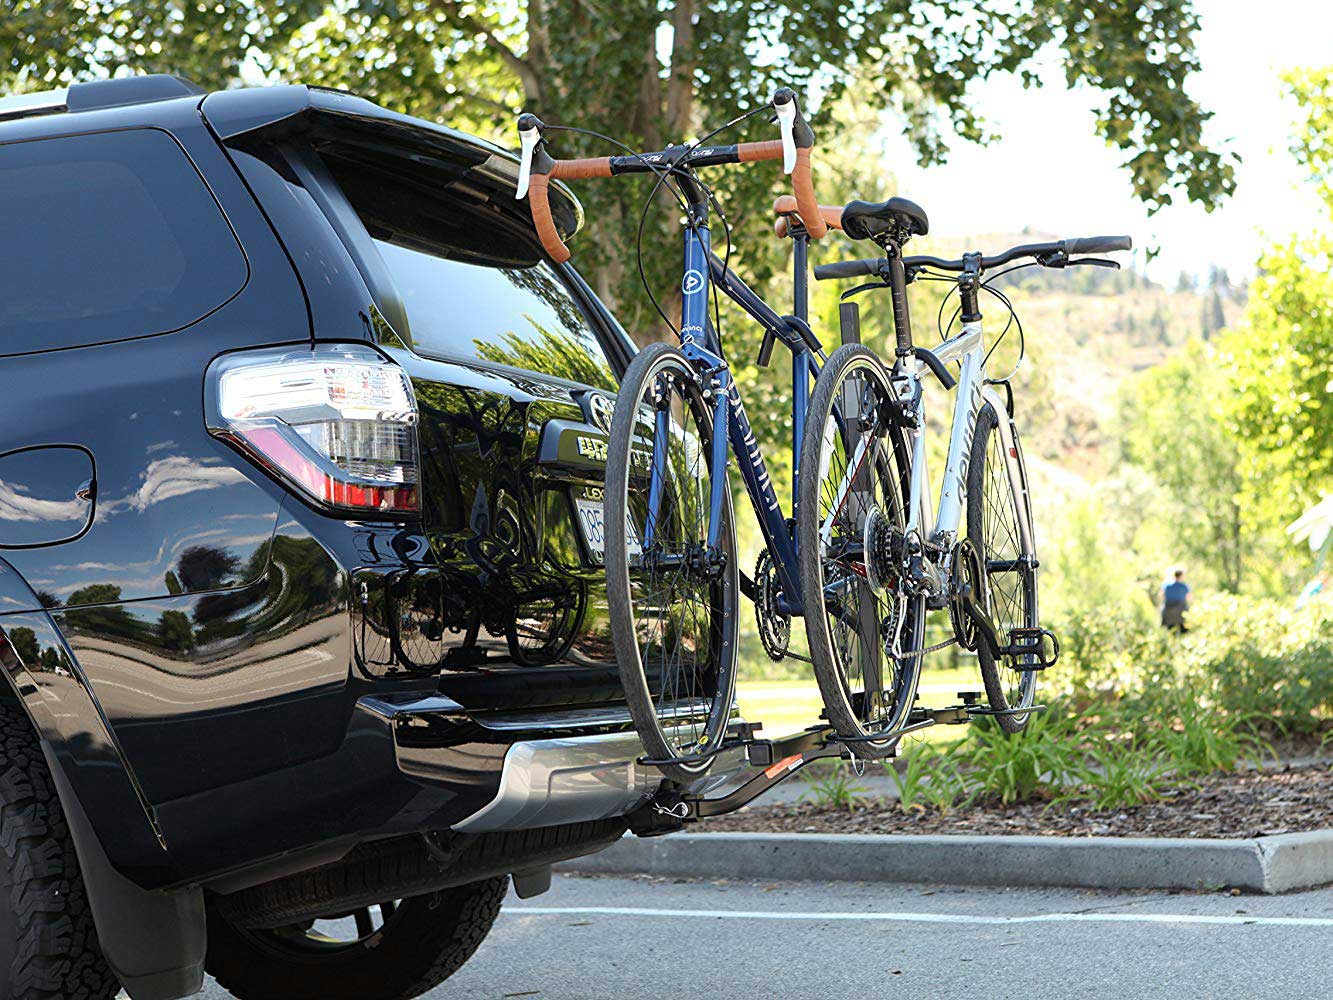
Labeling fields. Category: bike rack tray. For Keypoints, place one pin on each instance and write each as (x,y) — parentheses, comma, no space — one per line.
(980,710)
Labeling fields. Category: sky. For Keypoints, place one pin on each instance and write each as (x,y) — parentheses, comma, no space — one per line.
(1050,172)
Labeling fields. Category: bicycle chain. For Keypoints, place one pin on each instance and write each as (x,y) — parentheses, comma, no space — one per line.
(774,627)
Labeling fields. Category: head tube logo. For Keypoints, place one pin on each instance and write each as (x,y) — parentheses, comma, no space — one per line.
(692,282)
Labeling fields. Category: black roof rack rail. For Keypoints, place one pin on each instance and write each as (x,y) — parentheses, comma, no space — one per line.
(96,94)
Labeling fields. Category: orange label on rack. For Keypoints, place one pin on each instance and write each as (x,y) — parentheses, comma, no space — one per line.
(786,764)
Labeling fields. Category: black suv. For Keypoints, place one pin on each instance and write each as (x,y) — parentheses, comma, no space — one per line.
(301,597)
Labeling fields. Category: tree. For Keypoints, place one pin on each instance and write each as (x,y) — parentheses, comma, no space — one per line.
(648,71)
(1212,317)
(1279,396)
(1172,427)
(1312,143)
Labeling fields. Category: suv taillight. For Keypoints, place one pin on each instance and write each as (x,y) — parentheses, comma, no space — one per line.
(337,423)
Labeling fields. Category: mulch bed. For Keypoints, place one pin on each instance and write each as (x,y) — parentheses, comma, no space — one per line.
(1239,805)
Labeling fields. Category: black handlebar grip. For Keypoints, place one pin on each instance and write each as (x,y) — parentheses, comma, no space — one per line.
(1098,244)
(849,269)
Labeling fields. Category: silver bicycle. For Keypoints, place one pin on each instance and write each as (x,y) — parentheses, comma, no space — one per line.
(882,559)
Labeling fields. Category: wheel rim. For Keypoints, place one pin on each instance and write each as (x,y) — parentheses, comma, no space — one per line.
(1010,593)
(333,936)
(865,615)
(679,593)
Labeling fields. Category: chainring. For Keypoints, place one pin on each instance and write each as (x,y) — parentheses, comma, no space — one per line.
(968,571)
(774,626)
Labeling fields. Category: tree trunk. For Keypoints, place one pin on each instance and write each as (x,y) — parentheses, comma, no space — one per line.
(680,88)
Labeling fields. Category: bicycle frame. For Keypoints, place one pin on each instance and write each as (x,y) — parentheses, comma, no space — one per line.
(731,426)
(972,392)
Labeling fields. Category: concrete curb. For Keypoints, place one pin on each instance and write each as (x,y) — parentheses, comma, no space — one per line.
(1267,865)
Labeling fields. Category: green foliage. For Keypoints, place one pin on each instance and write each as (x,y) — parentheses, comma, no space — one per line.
(1118,776)
(1171,426)
(930,778)
(649,72)
(1036,762)
(1279,405)
(1280,397)
(1269,662)
(836,788)
(1313,142)
(1245,663)
(1200,738)
(552,353)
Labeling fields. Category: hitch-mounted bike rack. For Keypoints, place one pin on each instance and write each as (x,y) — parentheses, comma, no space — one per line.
(776,760)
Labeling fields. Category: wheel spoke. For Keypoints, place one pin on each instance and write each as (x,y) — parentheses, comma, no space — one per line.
(365,923)
(851,492)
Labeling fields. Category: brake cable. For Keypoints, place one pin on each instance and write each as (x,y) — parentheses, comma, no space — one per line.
(663,176)
(663,173)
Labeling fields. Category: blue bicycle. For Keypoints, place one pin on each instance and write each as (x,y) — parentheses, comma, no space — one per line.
(673,582)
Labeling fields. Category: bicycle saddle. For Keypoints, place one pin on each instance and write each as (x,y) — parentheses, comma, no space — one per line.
(864,220)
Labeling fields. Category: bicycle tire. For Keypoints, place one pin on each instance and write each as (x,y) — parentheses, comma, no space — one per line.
(991,497)
(688,715)
(883,707)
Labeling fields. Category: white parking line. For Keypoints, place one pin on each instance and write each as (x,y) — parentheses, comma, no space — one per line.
(922,918)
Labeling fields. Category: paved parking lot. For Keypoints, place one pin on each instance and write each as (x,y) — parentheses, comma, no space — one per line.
(641,939)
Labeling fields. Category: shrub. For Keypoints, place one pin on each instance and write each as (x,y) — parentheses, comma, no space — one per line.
(1120,776)
(1038,761)
(834,789)
(930,778)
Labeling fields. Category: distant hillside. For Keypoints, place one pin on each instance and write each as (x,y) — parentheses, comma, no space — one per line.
(1087,328)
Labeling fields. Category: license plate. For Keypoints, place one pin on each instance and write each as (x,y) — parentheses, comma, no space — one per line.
(592,521)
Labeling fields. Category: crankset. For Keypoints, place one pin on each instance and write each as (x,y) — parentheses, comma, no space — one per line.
(1028,649)
(774,625)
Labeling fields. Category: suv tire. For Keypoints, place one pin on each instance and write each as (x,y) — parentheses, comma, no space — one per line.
(48,944)
(425,941)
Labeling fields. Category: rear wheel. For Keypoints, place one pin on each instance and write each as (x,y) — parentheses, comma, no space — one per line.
(671,594)
(48,945)
(999,525)
(865,632)
(393,951)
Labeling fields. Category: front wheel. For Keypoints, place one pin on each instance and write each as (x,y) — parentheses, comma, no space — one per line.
(864,629)
(999,524)
(671,570)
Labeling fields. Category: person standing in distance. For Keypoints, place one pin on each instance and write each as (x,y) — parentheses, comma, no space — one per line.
(1175,599)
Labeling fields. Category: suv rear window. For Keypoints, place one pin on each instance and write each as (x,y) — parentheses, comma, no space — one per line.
(467,279)
(105,237)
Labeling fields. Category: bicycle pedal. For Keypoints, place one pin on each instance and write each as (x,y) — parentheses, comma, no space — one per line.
(1039,645)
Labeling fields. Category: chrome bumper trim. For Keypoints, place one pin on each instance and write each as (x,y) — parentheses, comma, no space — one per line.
(578,778)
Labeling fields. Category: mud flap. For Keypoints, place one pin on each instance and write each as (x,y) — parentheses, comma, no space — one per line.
(153,941)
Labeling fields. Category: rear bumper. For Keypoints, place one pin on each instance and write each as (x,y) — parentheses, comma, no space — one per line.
(544,779)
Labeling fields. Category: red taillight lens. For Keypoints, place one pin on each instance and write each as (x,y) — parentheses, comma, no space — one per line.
(337,423)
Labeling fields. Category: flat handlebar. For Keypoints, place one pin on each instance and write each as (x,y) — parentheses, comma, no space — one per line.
(871,266)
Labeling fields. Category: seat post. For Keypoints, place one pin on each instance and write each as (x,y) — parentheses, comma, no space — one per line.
(902,319)
(800,273)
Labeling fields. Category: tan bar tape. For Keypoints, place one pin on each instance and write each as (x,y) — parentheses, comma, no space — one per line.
(571,170)
(803,181)
(538,199)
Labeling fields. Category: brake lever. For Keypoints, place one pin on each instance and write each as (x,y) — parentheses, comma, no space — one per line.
(530,136)
(784,104)
(1095,262)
